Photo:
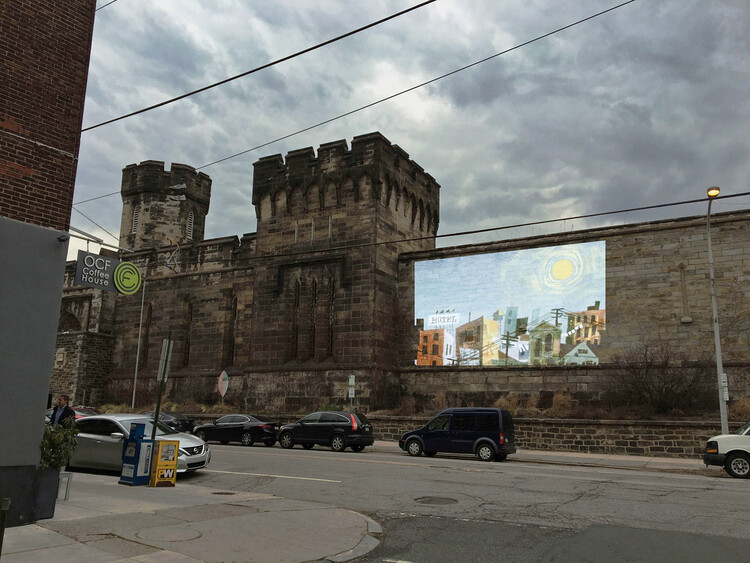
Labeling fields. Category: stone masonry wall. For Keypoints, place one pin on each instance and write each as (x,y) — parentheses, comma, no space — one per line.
(655,438)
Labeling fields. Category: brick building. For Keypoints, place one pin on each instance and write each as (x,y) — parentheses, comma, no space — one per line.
(325,289)
(46,46)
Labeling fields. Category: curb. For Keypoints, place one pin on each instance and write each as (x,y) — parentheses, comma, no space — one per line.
(366,545)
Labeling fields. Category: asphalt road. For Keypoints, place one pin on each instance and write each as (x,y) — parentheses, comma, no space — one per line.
(460,509)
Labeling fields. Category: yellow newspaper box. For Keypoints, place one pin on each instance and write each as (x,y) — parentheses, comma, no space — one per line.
(164,463)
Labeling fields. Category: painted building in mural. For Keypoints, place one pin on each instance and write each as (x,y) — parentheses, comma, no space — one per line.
(343,278)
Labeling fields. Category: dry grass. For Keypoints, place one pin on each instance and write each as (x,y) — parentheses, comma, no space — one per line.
(740,410)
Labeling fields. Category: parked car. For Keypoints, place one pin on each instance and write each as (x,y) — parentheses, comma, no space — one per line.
(175,420)
(730,451)
(244,428)
(100,439)
(80,413)
(339,430)
(486,432)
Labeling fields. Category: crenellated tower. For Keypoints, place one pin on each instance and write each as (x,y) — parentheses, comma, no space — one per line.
(161,207)
(330,229)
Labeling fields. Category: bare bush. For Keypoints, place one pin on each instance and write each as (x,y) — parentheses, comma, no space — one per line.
(740,410)
(562,405)
(509,402)
(653,375)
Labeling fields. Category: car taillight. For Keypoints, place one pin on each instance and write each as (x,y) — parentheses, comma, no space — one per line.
(354,422)
(265,426)
(502,438)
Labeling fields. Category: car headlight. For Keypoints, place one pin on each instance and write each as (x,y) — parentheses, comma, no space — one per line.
(712,447)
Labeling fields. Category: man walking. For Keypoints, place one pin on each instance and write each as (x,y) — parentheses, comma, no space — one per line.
(62,411)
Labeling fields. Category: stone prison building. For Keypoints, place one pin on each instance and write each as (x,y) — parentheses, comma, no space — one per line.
(326,289)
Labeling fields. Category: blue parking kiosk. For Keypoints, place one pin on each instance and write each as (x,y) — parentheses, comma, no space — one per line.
(136,457)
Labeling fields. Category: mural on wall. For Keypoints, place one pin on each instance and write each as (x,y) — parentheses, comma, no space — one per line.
(537,306)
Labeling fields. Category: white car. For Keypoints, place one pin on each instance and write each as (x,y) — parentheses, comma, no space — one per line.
(100,439)
(730,451)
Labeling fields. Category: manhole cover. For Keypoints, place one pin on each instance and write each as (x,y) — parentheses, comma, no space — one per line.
(436,500)
(223,493)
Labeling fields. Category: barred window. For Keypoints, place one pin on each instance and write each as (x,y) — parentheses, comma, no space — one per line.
(191,221)
(136,213)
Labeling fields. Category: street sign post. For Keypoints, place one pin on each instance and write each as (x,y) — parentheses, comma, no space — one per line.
(161,376)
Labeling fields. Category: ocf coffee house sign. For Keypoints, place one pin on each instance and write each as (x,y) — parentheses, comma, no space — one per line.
(109,274)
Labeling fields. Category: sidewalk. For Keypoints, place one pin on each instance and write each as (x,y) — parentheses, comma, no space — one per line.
(106,521)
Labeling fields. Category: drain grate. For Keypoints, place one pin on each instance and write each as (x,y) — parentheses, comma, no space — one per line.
(223,493)
(436,500)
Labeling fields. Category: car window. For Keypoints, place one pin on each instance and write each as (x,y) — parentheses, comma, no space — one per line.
(744,430)
(225,419)
(487,422)
(439,422)
(463,422)
(248,418)
(314,417)
(362,418)
(161,428)
(330,417)
(98,427)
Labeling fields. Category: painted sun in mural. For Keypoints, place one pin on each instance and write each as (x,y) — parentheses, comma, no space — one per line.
(562,269)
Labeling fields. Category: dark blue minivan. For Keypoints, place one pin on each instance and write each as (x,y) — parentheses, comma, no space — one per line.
(484,432)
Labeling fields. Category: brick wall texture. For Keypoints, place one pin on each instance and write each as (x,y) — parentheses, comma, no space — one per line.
(45,46)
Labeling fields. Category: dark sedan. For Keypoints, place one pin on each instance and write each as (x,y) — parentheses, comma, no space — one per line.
(244,428)
(175,420)
(339,430)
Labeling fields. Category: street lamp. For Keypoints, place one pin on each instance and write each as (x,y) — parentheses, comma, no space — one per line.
(712,192)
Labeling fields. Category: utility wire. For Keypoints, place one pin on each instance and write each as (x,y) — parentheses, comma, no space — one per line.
(457,234)
(267,65)
(378,101)
(539,38)
(98,225)
(105,5)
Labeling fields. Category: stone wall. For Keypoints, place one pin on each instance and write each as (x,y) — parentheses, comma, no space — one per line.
(654,438)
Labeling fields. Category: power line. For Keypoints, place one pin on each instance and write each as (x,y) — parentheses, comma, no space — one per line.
(105,5)
(376,102)
(539,38)
(94,198)
(456,234)
(267,65)
(98,225)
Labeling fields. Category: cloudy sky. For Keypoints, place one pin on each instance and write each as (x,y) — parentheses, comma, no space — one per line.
(647,104)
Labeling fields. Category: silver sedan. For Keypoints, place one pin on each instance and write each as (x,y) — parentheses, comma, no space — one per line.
(100,439)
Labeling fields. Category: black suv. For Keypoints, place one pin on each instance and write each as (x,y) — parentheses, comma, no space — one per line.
(339,430)
(485,432)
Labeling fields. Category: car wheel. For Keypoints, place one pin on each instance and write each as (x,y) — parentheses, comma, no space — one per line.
(247,439)
(357,448)
(414,447)
(286,440)
(308,446)
(485,452)
(201,434)
(738,465)
(269,443)
(430,454)
(501,457)
(338,443)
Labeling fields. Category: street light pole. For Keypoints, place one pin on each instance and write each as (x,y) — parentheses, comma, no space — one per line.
(720,375)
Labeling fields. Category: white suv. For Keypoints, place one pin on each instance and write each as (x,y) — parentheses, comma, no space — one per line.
(731,451)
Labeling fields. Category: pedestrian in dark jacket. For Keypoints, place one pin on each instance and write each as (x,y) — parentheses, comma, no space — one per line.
(62,411)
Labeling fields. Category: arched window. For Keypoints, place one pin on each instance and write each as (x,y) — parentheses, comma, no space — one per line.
(136,213)
(68,323)
(331,295)
(295,320)
(190,223)
(548,343)
(313,314)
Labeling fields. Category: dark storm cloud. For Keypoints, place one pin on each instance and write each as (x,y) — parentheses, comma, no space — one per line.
(647,104)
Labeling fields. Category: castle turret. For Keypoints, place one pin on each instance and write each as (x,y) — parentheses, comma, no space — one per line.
(163,207)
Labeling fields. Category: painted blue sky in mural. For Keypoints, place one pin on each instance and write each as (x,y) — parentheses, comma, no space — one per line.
(536,281)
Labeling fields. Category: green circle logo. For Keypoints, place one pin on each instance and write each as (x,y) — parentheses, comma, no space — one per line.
(127,278)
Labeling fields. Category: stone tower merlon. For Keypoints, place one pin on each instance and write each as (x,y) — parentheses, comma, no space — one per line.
(388,167)
(163,207)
